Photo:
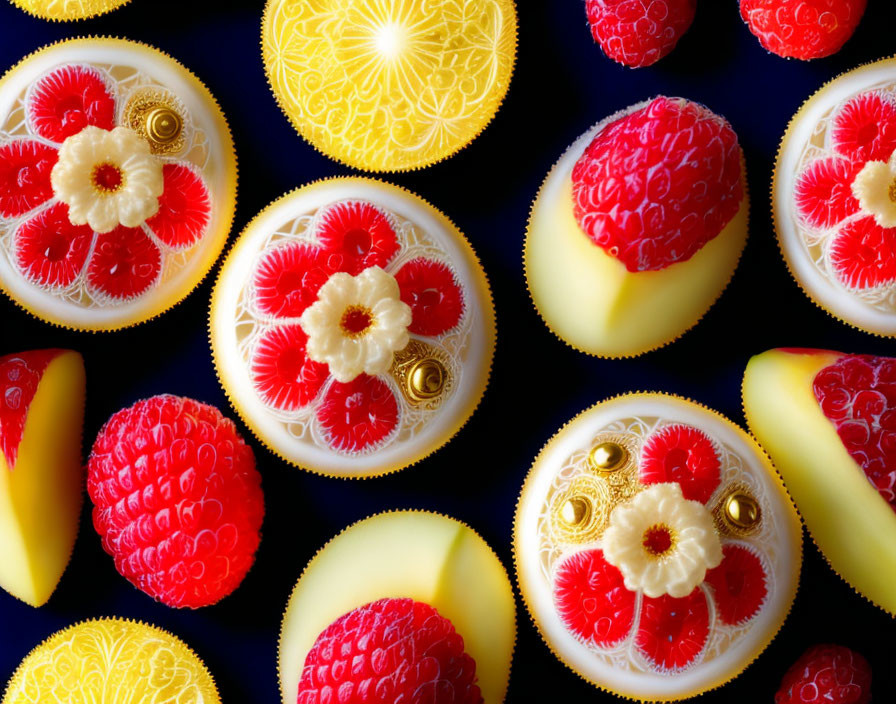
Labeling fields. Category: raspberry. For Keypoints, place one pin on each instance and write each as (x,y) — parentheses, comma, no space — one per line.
(639,33)
(125,263)
(356,236)
(184,208)
(673,632)
(177,499)
(863,254)
(656,185)
(681,454)
(592,599)
(858,395)
(865,128)
(738,584)
(50,250)
(802,29)
(284,376)
(393,650)
(288,277)
(431,290)
(824,192)
(20,375)
(69,99)
(359,415)
(827,674)
(25,168)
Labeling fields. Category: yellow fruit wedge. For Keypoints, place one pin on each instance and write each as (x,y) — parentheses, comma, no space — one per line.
(849,520)
(41,419)
(68,10)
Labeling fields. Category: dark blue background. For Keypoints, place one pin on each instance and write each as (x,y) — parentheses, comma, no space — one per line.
(562,85)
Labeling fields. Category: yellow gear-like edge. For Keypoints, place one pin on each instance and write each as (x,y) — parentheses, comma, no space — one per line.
(772,472)
(71,10)
(186,660)
(228,198)
(340,155)
(312,561)
(784,142)
(488,312)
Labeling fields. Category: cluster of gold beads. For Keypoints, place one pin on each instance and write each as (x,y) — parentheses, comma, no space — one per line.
(737,513)
(155,116)
(421,372)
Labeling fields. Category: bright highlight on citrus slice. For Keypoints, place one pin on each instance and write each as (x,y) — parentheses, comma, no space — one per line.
(111,660)
(389,85)
(68,10)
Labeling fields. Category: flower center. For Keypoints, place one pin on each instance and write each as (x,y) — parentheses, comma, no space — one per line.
(892,191)
(390,40)
(107,178)
(658,540)
(356,320)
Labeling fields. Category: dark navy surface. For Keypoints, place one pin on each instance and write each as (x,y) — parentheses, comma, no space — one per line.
(562,85)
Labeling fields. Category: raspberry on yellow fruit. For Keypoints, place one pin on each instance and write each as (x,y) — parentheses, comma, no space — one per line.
(827,420)
(638,228)
(827,674)
(665,572)
(177,500)
(401,607)
(41,479)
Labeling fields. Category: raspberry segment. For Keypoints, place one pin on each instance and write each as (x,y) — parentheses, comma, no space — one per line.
(20,375)
(177,499)
(739,585)
(682,454)
(184,208)
(432,292)
(655,186)
(639,33)
(863,254)
(865,128)
(288,277)
(592,599)
(125,263)
(673,632)
(25,168)
(824,192)
(283,374)
(356,236)
(359,415)
(391,650)
(827,674)
(69,99)
(858,395)
(50,250)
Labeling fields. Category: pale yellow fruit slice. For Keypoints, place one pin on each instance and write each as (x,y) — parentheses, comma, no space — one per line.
(40,496)
(68,10)
(422,556)
(848,519)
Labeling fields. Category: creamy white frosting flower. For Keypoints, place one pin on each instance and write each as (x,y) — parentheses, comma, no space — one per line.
(661,542)
(875,189)
(108,178)
(357,323)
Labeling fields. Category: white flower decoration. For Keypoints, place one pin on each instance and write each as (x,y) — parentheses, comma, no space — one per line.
(357,323)
(661,542)
(108,178)
(875,189)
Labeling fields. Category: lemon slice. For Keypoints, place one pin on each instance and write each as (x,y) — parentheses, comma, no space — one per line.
(389,85)
(111,660)
(68,10)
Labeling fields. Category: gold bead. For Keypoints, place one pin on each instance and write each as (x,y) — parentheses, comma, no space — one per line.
(426,379)
(742,511)
(608,457)
(576,511)
(163,125)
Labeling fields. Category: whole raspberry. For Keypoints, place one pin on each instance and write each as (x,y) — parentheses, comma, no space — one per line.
(639,33)
(827,674)
(177,499)
(802,29)
(398,651)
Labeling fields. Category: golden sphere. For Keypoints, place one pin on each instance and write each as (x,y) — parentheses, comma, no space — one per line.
(608,457)
(163,125)
(576,511)
(426,379)
(742,511)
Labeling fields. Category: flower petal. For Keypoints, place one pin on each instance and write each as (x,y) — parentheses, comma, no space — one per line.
(359,415)
(738,584)
(865,128)
(286,280)
(124,264)
(356,236)
(682,454)
(863,254)
(282,374)
(824,192)
(68,100)
(673,632)
(25,168)
(184,208)
(592,600)
(50,250)
(431,290)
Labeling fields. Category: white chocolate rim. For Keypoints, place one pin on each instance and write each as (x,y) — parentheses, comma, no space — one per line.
(537,591)
(826,293)
(219,177)
(234,373)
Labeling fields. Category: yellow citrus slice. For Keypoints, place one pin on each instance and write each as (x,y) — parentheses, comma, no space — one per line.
(111,660)
(389,85)
(68,10)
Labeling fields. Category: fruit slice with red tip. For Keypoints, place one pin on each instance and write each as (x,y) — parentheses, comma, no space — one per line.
(827,421)
(41,419)
(827,674)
